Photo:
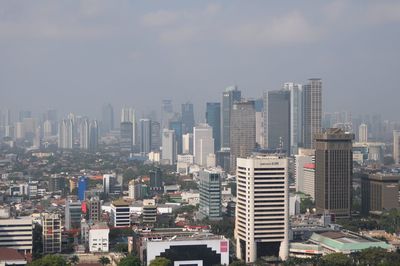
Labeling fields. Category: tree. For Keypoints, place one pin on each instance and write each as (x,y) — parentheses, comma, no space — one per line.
(104,260)
(160,261)
(130,261)
(74,259)
(49,260)
(371,256)
(336,259)
(238,263)
(306,203)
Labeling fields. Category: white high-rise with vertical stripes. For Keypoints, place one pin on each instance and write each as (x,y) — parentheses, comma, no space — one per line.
(262,207)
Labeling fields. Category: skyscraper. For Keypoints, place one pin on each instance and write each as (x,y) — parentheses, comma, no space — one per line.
(84,134)
(82,187)
(107,118)
(229,96)
(213,119)
(66,134)
(312,111)
(187,118)
(93,136)
(155,136)
(126,137)
(296,115)
(168,147)
(262,208)
(177,126)
(363,133)
(128,115)
(396,146)
(167,112)
(243,131)
(203,143)
(277,120)
(333,172)
(210,195)
(145,136)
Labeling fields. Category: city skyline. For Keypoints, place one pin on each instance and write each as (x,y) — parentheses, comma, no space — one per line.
(96,49)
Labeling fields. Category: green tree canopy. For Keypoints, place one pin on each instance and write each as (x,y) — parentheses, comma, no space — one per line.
(160,261)
(104,260)
(130,261)
(49,260)
(336,259)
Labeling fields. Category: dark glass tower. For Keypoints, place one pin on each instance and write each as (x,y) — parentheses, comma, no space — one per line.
(213,119)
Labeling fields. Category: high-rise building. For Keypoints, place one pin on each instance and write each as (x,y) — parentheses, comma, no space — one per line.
(120,213)
(82,187)
(379,192)
(210,195)
(24,114)
(177,126)
(396,146)
(296,115)
(149,215)
(94,209)
(187,143)
(203,143)
(304,156)
(309,179)
(277,120)
(155,179)
(109,182)
(155,136)
(187,118)
(262,208)
(168,147)
(107,119)
(333,172)
(84,134)
(93,136)
(126,137)
(128,115)
(243,131)
(229,97)
(51,233)
(17,234)
(167,113)
(363,133)
(73,213)
(145,136)
(66,134)
(213,119)
(312,111)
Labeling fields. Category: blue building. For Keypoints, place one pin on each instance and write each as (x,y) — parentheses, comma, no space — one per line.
(213,119)
(82,187)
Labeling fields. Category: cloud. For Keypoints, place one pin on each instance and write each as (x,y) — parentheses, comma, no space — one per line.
(179,35)
(383,12)
(159,18)
(292,28)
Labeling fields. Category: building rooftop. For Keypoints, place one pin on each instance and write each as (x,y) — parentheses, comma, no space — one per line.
(120,202)
(10,254)
(346,242)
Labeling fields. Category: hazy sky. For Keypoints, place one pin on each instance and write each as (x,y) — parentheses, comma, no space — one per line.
(77,55)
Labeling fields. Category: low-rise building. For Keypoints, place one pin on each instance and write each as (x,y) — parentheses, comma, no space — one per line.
(99,238)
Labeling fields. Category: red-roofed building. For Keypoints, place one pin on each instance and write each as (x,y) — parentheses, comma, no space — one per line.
(9,256)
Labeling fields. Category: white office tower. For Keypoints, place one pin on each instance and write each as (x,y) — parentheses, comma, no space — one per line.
(363,133)
(168,147)
(262,209)
(128,115)
(19,132)
(396,146)
(260,129)
(296,115)
(203,143)
(66,134)
(131,189)
(187,143)
(47,129)
(84,133)
(304,156)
